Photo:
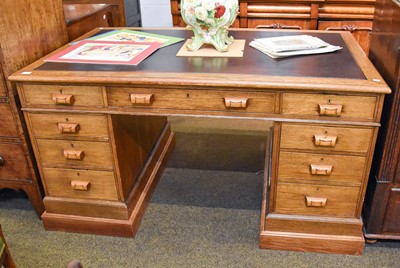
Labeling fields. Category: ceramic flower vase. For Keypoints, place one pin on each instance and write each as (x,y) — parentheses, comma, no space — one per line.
(209,20)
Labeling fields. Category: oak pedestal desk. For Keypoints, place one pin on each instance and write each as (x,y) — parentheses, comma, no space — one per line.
(101,136)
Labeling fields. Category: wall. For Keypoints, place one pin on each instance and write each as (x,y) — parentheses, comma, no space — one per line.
(156,13)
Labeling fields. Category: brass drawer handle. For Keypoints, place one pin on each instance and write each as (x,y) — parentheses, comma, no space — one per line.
(68,127)
(1,161)
(330,109)
(323,170)
(63,99)
(236,102)
(325,141)
(80,185)
(316,201)
(73,154)
(142,99)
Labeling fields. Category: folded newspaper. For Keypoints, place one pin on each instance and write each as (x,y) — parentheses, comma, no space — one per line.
(286,46)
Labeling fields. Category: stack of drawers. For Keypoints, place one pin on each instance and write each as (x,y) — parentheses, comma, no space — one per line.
(75,155)
(321,169)
(322,163)
(73,150)
(28,31)
(91,163)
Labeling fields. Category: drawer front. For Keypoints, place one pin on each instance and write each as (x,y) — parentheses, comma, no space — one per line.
(316,200)
(276,23)
(69,125)
(75,153)
(328,106)
(13,164)
(326,138)
(255,102)
(8,127)
(62,95)
(321,167)
(75,183)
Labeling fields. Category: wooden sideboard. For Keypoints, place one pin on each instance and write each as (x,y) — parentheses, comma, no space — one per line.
(101,136)
(28,31)
(382,205)
(117,7)
(329,15)
(82,18)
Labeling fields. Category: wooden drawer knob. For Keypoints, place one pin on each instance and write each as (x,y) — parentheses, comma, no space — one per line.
(63,99)
(316,201)
(330,109)
(1,161)
(80,185)
(73,154)
(323,170)
(68,127)
(236,102)
(325,141)
(142,98)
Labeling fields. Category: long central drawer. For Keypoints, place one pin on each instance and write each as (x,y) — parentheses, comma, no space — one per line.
(212,100)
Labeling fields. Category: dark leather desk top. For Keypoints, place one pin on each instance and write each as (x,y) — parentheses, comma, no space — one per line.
(339,64)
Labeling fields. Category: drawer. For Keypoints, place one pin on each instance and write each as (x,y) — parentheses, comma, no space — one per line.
(75,153)
(59,125)
(277,23)
(256,102)
(320,167)
(8,127)
(326,138)
(316,200)
(329,106)
(75,183)
(62,95)
(13,164)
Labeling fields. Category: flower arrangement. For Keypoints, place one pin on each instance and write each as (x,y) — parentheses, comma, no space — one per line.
(208,13)
(210,19)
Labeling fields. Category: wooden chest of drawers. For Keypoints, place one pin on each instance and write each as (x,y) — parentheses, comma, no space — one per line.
(28,31)
(101,137)
(354,16)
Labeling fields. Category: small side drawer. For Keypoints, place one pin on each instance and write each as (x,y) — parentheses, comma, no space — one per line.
(59,125)
(58,95)
(320,167)
(7,126)
(75,153)
(325,138)
(76,183)
(360,107)
(252,102)
(12,162)
(316,200)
